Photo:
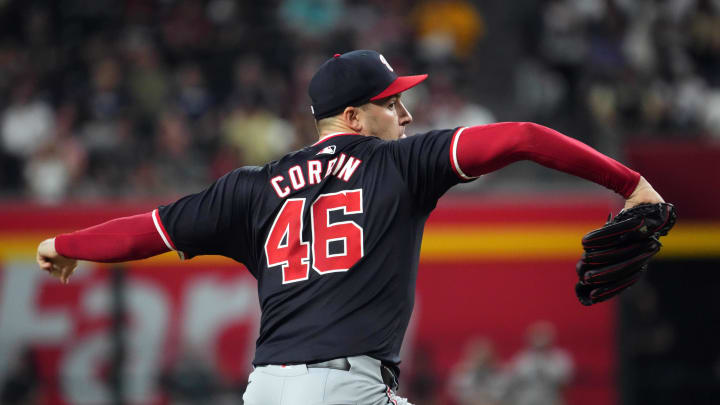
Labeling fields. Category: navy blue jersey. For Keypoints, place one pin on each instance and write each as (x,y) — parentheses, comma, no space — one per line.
(332,233)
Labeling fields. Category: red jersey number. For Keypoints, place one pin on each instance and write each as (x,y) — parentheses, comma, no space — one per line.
(346,232)
(284,245)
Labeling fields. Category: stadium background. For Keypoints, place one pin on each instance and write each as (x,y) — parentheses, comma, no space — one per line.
(109,108)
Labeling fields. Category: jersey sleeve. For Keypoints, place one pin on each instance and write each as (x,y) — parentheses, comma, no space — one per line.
(214,221)
(427,163)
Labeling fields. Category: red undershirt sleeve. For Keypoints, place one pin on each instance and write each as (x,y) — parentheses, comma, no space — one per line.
(483,149)
(122,239)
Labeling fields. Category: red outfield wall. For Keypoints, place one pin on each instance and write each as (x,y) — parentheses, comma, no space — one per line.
(488,269)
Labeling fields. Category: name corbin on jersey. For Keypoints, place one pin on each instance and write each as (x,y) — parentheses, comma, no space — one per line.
(299,176)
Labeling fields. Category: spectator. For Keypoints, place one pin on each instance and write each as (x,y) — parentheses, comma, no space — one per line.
(539,372)
(703,25)
(456,108)
(147,82)
(477,378)
(447,28)
(47,174)
(311,18)
(179,169)
(27,123)
(192,96)
(259,134)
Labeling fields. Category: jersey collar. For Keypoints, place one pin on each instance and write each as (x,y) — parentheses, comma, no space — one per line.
(333,135)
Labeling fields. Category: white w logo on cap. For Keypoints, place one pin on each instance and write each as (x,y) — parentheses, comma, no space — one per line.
(385,62)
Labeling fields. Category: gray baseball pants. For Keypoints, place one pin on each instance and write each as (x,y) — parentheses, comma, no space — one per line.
(299,385)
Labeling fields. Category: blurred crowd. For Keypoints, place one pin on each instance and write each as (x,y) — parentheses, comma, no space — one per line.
(630,67)
(537,374)
(140,98)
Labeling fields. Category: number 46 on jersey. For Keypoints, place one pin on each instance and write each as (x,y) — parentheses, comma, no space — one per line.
(284,245)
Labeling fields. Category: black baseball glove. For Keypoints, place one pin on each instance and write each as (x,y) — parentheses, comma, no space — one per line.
(617,254)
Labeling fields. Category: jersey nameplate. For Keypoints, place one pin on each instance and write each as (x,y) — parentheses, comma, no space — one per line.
(313,172)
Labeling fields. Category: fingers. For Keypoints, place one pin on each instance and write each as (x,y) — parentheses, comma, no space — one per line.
(66,273)
(55,272)
(49,260)
(44,256)
(44,264)
(61,271)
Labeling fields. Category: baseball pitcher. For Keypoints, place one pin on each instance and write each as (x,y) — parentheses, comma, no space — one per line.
(332,232)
